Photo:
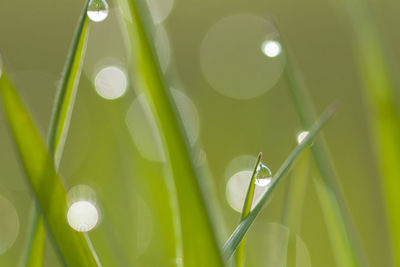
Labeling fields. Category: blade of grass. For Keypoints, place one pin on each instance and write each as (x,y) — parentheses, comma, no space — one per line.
(43,180)
(65,99)
(198,241)
(239,255)
(296,190)
(34,253)
(380,84)
(345,244)
(59,125)
(234,240)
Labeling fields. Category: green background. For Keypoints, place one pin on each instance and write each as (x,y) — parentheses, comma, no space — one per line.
(34,40)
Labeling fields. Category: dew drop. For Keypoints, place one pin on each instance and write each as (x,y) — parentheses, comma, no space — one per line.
(301,136)
(97,10)
(263,175)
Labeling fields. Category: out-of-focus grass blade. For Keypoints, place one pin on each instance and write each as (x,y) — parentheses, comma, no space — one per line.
(345,244)
(35,245)
(382,106)
(239,255)
(43,179)
(59,125)
(296,190)
(199,245)
(239,233)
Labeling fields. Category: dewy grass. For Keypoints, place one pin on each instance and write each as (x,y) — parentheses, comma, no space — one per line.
(239,255)
(59,125)
(234,240)
(345,244)
(195,238)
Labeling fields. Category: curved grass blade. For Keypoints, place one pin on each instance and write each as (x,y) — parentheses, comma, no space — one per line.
(239,255)
(44,181)
(198,242)
(234,240)
(345,244)
(59,125)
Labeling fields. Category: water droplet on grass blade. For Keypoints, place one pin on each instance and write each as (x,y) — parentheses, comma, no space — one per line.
(97,10)
(301,136)
(263,175)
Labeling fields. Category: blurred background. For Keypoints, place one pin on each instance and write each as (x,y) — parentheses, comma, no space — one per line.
(224,61)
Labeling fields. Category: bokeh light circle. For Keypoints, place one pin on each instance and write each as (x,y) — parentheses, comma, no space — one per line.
(236,190)
(9,224)
(271,48)
(232,61)
(111,82)
(160,9)
(82,216)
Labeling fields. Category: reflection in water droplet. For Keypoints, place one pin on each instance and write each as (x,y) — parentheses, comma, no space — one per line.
(263,175)
(9,224)
(236,189)
(144,131)
(111,82)
(271,48)
(97,10)
(160,9)
(301,136)
(82,216)
(231,59)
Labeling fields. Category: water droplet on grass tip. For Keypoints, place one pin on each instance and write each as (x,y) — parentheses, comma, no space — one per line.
(263,175)
(97,10)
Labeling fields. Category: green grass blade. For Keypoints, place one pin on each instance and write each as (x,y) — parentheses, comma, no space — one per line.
(345,244)
(296,191)
(34,254)
(239,233)
(61,116)
(59,125)
(380,86)
(43,179)
(198,241)
(239,255)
